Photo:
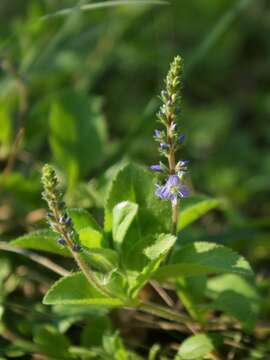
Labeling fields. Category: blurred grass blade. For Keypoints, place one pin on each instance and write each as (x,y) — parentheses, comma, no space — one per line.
(105,4)
(69,23)
(219,29)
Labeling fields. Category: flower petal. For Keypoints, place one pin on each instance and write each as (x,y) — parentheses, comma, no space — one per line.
(184,191)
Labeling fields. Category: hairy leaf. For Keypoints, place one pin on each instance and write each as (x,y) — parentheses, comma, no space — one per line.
(123,215)
(195,347)
(195,207)
(155,253)
(104,260)
(83,219)
(43,240)
(90,238)
(204,258)
(75,289)
(236,296)
(133,183)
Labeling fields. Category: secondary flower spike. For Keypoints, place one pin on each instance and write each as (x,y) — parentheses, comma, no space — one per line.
(170,140)
(58,218)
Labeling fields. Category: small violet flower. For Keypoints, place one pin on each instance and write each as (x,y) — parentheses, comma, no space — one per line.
(164,146)
(181,139)
(156,168)
(172,190)
(182,163)
(61,241)
(157,133)
(76,248)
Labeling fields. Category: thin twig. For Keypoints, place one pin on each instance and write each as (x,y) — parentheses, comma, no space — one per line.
(42,260)
(162,293)
(166,313)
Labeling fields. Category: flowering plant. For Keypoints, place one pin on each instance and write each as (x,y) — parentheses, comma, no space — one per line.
(139,247)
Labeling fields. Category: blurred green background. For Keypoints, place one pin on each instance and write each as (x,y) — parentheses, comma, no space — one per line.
(80,89)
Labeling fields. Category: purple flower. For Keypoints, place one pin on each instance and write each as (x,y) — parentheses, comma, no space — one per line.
(183,163)
(76,248)
(157,133)
(65,220)
(61,241)
(181,139)
(164,146)
(156,168)
(172,190)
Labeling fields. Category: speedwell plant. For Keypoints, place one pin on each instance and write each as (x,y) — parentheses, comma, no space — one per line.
(140,247)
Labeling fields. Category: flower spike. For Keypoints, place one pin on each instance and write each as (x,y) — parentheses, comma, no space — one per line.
(170,140)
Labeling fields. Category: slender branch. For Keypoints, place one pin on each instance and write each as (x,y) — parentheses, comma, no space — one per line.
(42,260)
(171,161)
(61,223)
(164,312)
(77,256)
(89,274)
(162,293)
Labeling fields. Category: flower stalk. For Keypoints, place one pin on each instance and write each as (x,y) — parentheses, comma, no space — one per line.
(60,222)
(170,141)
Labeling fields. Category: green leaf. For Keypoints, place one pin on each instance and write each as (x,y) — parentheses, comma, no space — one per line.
(90,233)
(161,247)
(204,258)
(83,219)
(193,208)
(133,183)
(104,260)
(43,240)
(25,190)
(5,128)
(91,238)
(156,254)
(52,343)
(115,348)
(153,352)
(5,269)
(75,289)
(123,215)
(94,330)
(236,296)
(77,133)
(191,291)
(195,347)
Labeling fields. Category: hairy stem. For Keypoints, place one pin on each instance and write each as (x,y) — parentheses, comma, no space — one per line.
(78,258)
(165,313)
(89,274)
(171,161)
(175,211)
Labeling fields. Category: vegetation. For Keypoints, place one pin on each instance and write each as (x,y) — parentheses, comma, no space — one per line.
(104,255)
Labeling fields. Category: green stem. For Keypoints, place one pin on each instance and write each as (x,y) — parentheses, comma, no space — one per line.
(89,274)
(163,312)
(175,211)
